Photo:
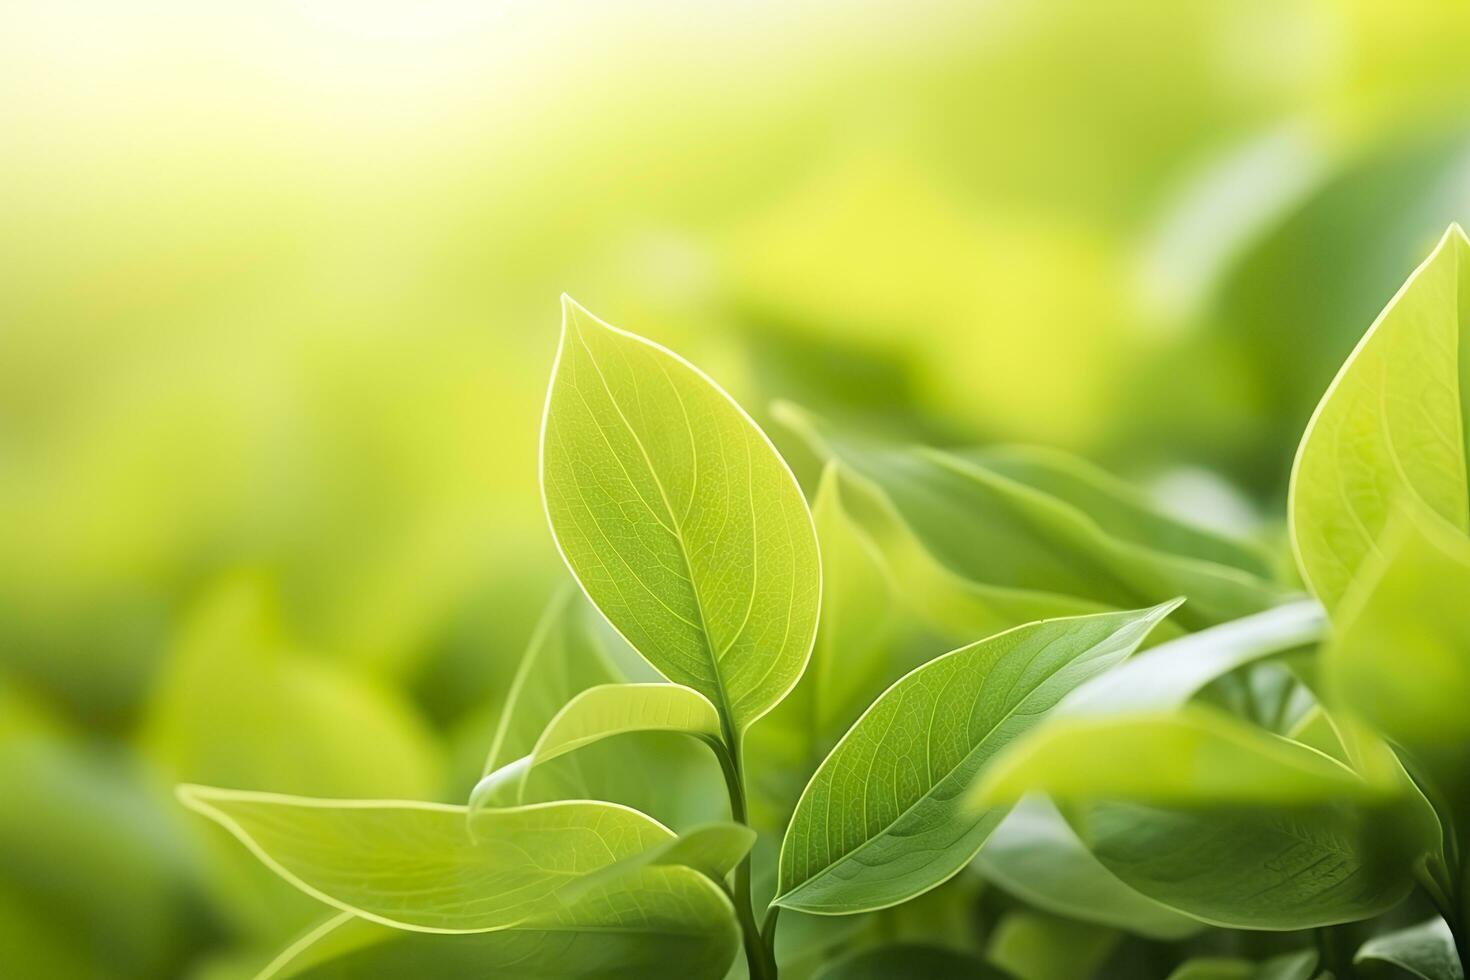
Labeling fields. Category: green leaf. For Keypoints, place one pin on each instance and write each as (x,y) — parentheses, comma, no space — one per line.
(237,704)
(883,819)
(1390,431)
(426,866)
(1117,507)
(678,518)
(1033,946)
(1427,951)
(564,658)
(1172,673)
(1037,857)
(713,850)
(572,650)
(602,712)
(992,529)
(668,922)
(1248,868)
(1194,756)
(909,961)
(1400,656)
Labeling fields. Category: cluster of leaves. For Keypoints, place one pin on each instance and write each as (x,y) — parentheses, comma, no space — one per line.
(801,771)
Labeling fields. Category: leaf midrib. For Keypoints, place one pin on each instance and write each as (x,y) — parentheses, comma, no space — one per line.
(925,795)
(675,528)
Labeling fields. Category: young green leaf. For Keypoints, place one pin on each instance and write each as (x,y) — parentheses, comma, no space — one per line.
(619,709)
(678,517)
(1194,756)
(1117,507)
(667,922)
(1391,429)
(713,850)
(427,866)
(1400,656)
(1037,857)
(563,659)
(572,650)
(1426,951)
(883,819)
(991,529)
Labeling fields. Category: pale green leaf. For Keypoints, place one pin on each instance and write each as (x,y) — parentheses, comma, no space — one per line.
(1400,655)
(1034,946)
(995,530)
(564,658)
(426,866)
(1117,507)
(572,650)
(666,922)
(678,518)
(616,709)
(1036,856)
(1194,756)
(909,961)
(1427,951)
(1390,431)
(599,713)
(883,819)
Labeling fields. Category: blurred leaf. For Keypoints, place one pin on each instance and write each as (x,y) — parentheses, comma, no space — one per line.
(1400,656)
(668,922)
(1032,946)
(1389,431)
(1214,968)
(1244,868)
(425,866)
(563,659)
(1194,756)
(1119,509)
(679,519)
(989,528)
(1427,951)
(852,660)
(909,961)
(904,828)
(237,706)
(1037,857)
(91,881)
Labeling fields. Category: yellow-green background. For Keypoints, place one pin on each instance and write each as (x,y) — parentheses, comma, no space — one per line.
(279,294)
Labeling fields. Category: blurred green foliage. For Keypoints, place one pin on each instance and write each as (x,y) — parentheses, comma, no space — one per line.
(278,299)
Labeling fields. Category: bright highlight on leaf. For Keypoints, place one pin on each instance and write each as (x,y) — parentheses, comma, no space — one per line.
(678,518)
(1391,430)
(417,865)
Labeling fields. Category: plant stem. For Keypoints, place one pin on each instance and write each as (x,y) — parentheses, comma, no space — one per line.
(760,959)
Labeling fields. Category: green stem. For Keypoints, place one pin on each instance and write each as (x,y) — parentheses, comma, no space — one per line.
(760,960)
(768,933)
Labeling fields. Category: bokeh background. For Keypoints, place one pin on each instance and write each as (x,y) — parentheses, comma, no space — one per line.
(279,296)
